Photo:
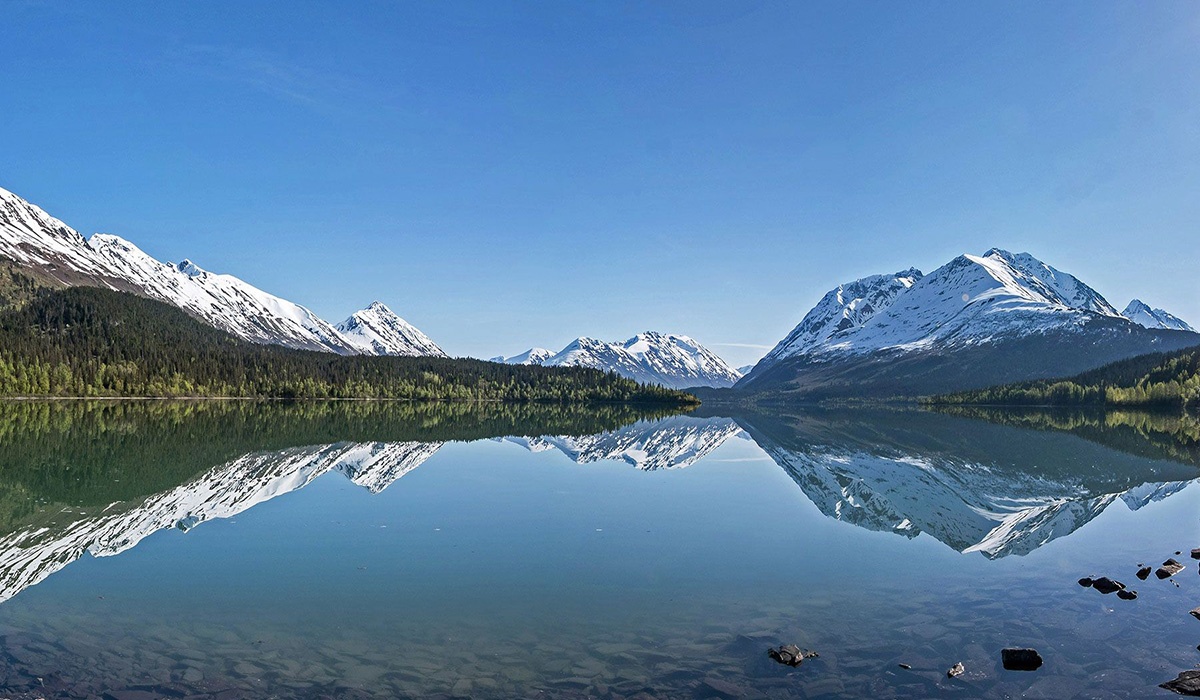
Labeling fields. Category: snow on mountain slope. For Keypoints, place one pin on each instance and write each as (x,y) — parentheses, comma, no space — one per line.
(972,299)
(674,361)
(31,237)
(1141,314)
(377,330)
(1063,288)
(843,310)
(532,356)
(680,360)
(977,321)
(223,301)
(597,354)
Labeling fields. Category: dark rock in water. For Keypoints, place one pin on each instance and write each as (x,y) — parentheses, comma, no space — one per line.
(1086,582)
(1127,595)
(1196,553)
(906,667)
(1144,573)
(1106,585)
(1168,569)
(786,654)
(1188,683)
(1195,612)
(1021,659)
(791,655)
(956,670)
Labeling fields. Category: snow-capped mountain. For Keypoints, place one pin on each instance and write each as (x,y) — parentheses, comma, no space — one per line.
(971,299)
(844,309)
(377,330)
(977,320)
(1141,314)
(34,239)
(532,356)
(50,249)
(223,301)
(674,361)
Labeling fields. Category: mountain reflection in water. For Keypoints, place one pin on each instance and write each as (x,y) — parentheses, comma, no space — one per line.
(81,477)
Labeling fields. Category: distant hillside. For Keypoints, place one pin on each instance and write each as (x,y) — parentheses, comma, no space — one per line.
(86,341)
(1170,379)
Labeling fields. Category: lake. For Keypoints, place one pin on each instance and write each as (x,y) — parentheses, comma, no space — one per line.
(239,549)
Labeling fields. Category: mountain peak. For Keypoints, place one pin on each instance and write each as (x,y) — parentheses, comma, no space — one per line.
(844,309)
(972,304)
(1002,254)
(1142,314)
(532,356)
(189,268)
(650,357)
(377,330)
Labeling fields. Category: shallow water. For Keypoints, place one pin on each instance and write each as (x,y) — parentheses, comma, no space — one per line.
(342,552)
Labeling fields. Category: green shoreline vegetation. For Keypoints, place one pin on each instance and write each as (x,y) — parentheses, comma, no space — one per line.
(91,342)
(1157,381)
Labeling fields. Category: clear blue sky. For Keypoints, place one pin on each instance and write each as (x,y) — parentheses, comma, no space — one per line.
(515,174)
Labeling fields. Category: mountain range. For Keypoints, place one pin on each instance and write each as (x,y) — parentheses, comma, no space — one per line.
(56,253)
(674,361)
(977,321)
(974,322)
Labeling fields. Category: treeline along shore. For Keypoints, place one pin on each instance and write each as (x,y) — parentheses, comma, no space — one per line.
(92,342)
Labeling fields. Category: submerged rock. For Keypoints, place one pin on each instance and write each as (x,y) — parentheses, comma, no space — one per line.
(906,667)
(1144,572)
(1021,659)
(1195,612)
(1187,683)
(1127,595)
(956,670)
(1196,553)
(1168,569)
(1086,582)
(1106,585)
(791,655)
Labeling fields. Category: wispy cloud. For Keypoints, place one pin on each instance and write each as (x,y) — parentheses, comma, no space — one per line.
(270,73)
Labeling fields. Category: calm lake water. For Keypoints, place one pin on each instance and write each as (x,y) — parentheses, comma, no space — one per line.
(380,550)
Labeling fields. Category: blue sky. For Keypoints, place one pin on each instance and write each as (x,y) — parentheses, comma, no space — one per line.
(514,174)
